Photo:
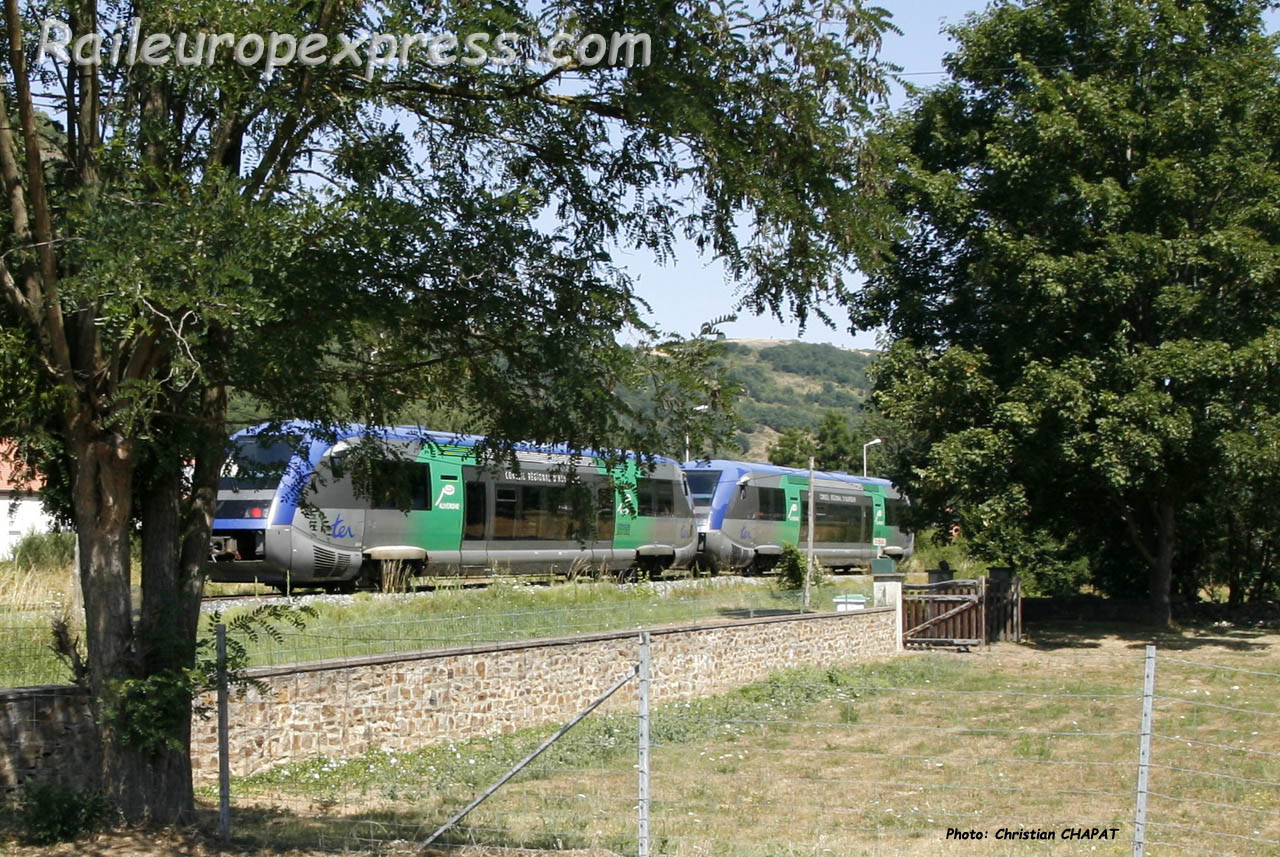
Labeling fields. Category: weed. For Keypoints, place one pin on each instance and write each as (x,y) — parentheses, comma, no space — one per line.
(56,813)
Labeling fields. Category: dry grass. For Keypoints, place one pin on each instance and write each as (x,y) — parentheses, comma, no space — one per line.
(1019,737)
(878,763)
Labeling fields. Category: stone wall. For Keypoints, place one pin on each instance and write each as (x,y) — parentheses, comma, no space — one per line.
(47,736)
(407,701)
(404,702)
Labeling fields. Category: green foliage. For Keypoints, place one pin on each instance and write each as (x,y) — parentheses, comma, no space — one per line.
(341,247)
(793,448)
(151,712)
(45,552)
(54,813)
(837,443)
(1087,287)
(791,566)
(825,362)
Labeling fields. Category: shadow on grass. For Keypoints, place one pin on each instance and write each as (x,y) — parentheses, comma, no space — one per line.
(757,612)
(1058,634)
(385,831)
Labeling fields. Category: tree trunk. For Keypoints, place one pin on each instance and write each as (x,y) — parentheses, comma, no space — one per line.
(103,494)
(102,497)
(1161,578)
(158,788)
(175,543)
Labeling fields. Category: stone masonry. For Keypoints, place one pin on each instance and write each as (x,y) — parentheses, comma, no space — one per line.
(406,701)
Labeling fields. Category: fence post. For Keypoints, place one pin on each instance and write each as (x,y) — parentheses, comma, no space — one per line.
(1144,753)
(643,740)
(808,563)
(224,751)
(886,589)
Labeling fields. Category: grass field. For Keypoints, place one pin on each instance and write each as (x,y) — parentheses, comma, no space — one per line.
(450,615)
(877,759)
(377,624)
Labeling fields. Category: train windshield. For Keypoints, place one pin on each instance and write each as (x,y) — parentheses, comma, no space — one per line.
(255,465)
(702,485)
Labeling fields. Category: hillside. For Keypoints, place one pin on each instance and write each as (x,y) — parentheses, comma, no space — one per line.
(788,384)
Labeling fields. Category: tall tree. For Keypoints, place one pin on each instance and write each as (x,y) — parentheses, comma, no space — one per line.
(340,239)
(1086,301)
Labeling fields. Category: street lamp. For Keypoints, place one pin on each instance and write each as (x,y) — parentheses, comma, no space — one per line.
(686,434)
(864,453)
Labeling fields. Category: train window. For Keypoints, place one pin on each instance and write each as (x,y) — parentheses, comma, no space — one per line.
(605,510)
(404,485)
(655,498)
(475,500)
(256,465)
(702,486)
(538,512)
(330,486)
(842,518)
(893,513)
(506,508)
(771,504)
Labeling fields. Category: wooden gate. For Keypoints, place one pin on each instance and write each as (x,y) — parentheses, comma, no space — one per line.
(961,613)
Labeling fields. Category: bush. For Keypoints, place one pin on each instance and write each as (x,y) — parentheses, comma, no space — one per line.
(55,813)
(45,551)
(791,569)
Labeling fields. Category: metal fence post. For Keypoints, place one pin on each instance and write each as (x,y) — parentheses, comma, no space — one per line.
(1144,753)
(224,752)
(808,564)
(643,740)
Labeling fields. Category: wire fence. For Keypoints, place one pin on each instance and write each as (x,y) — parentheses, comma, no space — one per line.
(1005,751)
(342,636)
(27,657)
(346,627)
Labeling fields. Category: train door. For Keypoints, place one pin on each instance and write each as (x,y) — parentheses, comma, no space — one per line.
(440,531)
(879,531)
(399,504)
(477,501)
(796,489)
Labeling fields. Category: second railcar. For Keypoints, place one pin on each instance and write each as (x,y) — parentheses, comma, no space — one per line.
(747,511)
(429,503)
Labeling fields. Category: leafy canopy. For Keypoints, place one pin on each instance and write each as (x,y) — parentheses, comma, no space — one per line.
(1085,300)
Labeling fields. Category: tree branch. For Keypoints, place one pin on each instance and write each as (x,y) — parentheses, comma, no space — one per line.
(1136,537)
(53,328)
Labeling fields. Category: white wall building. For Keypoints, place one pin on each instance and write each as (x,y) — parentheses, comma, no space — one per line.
(20,510)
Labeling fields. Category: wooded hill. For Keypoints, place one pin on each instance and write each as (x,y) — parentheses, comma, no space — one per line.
(790,385)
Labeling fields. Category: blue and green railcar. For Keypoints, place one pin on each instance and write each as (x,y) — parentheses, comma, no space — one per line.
(746,512)
(289,509)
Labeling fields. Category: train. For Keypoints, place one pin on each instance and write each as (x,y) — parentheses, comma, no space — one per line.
(746,511)
(295,510)
(289,512)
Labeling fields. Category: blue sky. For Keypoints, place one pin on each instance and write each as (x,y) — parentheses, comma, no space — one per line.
(691,290)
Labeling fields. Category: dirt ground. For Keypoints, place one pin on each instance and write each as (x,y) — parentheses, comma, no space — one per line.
(198,843)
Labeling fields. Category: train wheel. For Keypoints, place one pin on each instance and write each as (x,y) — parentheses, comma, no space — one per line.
(370,576)
(762,565)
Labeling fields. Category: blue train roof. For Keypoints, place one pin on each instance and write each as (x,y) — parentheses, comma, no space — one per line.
(319,433)
(760,467)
